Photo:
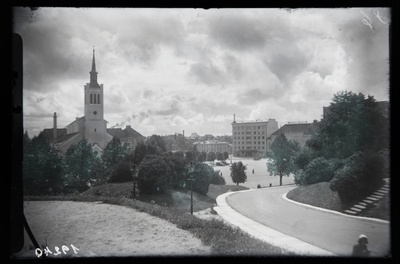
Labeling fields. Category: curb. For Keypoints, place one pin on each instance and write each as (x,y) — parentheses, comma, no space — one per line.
(264,233)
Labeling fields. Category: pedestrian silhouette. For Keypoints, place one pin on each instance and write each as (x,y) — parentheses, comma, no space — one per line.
(253,171)
(361,249)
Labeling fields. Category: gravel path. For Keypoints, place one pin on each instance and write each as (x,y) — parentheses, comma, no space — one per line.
(97,229)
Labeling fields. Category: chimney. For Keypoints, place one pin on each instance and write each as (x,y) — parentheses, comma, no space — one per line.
(54,127)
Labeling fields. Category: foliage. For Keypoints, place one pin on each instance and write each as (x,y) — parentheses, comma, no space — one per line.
(318,170)
(42,168)
(201,157)
(281,157)
(122,172)
(359,176)
(202,175)
(113,153)
(220,156)
(238,173)
(177,169)
(153,175)
(303,158)
(353,123)
(217,178)
(211,156)
(81,166)
(189,156)
(225,155)
(157,144)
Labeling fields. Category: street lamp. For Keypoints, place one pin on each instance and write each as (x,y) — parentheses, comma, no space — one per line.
(191,168)
(133,172)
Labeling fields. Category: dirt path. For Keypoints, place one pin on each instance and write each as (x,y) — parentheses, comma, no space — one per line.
(104,230)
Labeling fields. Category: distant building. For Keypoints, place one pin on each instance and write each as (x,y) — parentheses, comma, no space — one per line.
(213,146)
(92,126)
(250,138)
(296,131)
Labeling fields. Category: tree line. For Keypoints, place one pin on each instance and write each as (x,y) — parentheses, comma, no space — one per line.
(349,150)
(47,172)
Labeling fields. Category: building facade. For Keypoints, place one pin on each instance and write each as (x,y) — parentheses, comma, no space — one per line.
(296,131)
(213,146)
(250,138)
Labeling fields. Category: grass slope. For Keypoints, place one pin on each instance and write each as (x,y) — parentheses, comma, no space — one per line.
(321,195)
(179,198)
(224,239)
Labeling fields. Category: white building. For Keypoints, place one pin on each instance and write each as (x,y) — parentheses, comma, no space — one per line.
(250,137)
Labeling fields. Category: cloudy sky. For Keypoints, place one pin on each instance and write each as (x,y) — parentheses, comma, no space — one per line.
(169,70)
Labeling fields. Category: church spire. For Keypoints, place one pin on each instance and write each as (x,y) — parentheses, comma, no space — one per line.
(93,72)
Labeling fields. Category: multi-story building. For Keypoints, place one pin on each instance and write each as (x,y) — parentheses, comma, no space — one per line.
(213,146)
(250,137)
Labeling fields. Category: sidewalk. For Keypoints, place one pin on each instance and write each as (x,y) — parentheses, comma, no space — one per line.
(264,233)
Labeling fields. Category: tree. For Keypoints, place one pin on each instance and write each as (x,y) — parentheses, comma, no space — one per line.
(122,172)
(202,175)
(201,157)
(360,175)
(217,178)
(281,155)
(42,168)
(153,175)
(177,169)
(113,153)
(140,152)
(353,123)
(238,173)
(318,170)
(189,156)
(81,166)
(211,156)
(157,143)
(226,155)
(220,156)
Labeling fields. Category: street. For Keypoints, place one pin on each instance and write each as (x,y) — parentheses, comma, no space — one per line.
(333,232)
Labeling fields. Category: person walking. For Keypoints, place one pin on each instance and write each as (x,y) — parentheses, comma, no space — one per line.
(361,249)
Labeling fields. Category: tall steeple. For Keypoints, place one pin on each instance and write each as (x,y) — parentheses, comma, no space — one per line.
(93,73)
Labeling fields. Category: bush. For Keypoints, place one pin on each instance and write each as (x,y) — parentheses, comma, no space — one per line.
(318,170)
(360,175)
(202,175)
(153,175)
(122,173)
(218,179)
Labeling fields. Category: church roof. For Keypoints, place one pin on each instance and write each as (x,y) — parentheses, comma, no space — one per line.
(47,133)
(124,133)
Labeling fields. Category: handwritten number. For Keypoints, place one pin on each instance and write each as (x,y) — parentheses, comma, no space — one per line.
(57,251)
(47,251)
(75,249)
(65,249)
(38,252)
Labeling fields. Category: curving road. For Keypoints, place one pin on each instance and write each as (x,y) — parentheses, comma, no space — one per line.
(333,232)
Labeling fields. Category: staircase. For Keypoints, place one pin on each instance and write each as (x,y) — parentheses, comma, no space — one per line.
(371,200)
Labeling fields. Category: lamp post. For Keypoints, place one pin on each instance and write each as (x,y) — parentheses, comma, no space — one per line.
(133,172)
(191,186)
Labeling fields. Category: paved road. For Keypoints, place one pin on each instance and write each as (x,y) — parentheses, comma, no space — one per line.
(332,232)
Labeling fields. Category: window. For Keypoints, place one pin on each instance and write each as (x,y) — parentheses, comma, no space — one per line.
(98,98)
(91,98)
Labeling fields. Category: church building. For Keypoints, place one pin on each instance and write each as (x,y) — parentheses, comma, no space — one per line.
(92,126)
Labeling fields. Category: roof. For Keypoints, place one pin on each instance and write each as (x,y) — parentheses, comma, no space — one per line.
(124,133)
(305,128)
(47,133)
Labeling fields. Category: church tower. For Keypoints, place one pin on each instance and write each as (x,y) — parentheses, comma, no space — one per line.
(95,125)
